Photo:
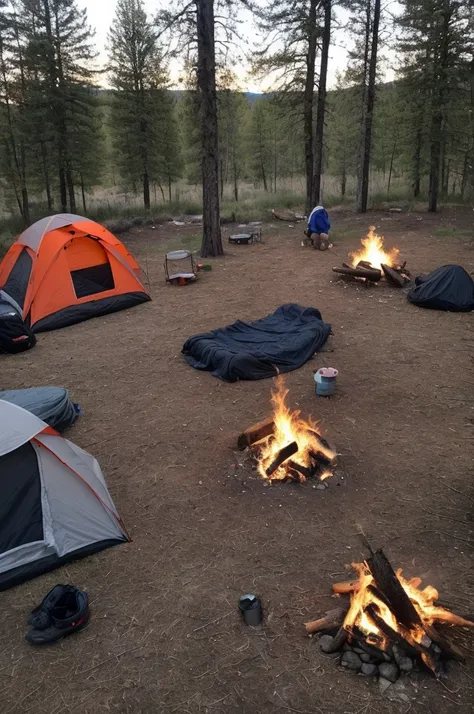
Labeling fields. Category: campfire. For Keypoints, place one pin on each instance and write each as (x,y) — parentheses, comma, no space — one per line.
(372,262)
(286,446)
(389,625)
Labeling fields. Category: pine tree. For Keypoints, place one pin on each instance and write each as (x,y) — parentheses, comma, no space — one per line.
(437,42)
(138,76)
(297,29)
(13,110)
(59,62)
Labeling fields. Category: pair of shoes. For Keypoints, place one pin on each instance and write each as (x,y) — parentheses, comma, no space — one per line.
(64,610)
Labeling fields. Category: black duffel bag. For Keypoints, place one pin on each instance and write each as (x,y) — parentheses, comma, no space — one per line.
(15,335)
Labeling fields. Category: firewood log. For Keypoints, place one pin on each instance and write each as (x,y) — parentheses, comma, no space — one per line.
(282,456)
(349,586)
(369,274)
(256,433)
(333,618)
(391,588)
(393,277)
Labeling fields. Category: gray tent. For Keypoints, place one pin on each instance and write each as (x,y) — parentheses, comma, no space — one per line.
(54,502)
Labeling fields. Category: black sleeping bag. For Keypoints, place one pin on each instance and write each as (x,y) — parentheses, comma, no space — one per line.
(277,343)
(449,287)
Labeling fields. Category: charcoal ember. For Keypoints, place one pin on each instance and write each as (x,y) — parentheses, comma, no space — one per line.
(370,670)
(365,657)
(405,664)
(325,643)
(389,670)
(351,660)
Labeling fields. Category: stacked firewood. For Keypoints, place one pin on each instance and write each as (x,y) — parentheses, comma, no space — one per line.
(386,652)
(398,275)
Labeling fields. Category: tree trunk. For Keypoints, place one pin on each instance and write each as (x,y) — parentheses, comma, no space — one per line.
(417,163)
(465,173)
(83,194)
(70,188)
(369,114)
(319,136)
(47,183)
(275,167)
(62,189)
(206,82)
(437,114)
(343,181)
(308,102)
(365,71)
(146,191)
(221,177)
(162,193)
(262,163)
(392,158)
(169,188)
(236,184)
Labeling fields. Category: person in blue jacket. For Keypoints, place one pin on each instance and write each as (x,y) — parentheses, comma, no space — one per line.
(318,228)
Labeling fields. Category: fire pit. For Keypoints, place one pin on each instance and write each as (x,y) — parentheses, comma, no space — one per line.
(372,262)
(389,626)
(286,446)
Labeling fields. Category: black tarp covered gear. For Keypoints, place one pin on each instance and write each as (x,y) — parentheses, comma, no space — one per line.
(279,342)
(51,404)
(15,335)
(449,287)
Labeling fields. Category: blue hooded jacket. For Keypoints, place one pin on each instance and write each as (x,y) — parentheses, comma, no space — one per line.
(318,221)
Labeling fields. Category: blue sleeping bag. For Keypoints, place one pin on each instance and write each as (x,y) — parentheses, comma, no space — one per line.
(279,342)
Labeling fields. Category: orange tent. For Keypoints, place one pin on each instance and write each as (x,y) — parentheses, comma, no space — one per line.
(65,269)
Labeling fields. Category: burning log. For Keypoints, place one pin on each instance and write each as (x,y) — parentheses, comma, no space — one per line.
(282,456)
(370,274)
(256,433)
(390,586)
(444,643)
(332,619)
(322,459)
(365,264)
(404,640)
(301,470)
(349,586)
(393,276)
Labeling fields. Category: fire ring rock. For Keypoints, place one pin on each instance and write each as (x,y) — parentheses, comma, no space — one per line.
(325,643)
(370,670)
(389,670)
(351,660)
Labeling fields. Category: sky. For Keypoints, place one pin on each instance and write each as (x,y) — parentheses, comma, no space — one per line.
(101,14)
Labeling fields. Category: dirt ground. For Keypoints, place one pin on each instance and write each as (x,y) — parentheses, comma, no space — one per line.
(166,635)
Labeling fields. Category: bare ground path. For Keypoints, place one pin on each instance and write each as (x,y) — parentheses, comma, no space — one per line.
(165,634)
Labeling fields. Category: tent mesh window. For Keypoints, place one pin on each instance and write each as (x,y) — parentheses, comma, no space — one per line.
(17,281)
(21,516)
(92,280)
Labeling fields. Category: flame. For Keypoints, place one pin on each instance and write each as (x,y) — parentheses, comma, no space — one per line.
(289,427)
(373,251)
(423,601)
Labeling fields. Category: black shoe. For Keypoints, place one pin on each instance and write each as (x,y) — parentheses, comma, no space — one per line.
(40,617)
(69,614)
